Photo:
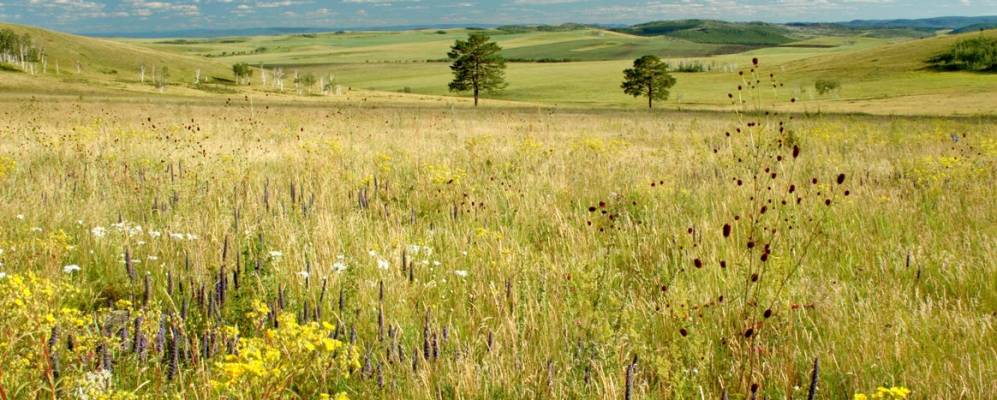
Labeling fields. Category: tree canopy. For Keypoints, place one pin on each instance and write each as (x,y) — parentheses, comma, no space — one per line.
(649,77)
(477,65)
(242,71)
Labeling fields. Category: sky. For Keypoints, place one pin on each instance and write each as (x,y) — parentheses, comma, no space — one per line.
(95,16)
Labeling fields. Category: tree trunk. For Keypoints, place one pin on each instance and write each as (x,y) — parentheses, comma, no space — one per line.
(650,97)
(475,96)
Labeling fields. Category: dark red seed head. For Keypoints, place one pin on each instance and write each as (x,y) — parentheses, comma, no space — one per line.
(841,178)
(768,313)
(747,334)
(683,332)
(796,151)
(698,263)
(726,230)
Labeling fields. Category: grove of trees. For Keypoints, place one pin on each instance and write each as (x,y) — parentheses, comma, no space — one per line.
(243,72)
(976,54)
(18,49)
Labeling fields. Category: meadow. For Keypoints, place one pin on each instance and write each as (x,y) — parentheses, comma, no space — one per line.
(405,250)
(201,240)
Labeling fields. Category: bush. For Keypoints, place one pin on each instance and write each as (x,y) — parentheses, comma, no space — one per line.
(977,54)
(694,66)
(825,86)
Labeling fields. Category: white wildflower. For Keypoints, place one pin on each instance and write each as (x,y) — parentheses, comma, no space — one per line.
(383,264)
(98,231)
(339,266)
(155,234)
(71,268)
(20,217)
(2,274)
(461,273)
(36,229)
(276,254)
(304,274)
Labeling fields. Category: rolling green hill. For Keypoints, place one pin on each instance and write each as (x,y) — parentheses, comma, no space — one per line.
(103,59)
(566,43)
(905,57)
(716,32)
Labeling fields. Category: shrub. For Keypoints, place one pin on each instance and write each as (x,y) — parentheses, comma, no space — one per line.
(694,66)
(825,86)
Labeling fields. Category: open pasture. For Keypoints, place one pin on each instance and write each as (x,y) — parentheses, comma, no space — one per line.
(240,249)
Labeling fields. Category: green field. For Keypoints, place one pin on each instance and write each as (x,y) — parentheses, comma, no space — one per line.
(384,239)
(877,74)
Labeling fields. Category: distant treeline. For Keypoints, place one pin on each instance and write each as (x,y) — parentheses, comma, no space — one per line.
(257,50)
(568,27)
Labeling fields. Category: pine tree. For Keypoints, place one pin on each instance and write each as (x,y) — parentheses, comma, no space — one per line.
(477,66)
(648,77)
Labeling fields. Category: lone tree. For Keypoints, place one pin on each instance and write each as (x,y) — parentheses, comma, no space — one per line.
(477,65)
(242,72)
(649,77)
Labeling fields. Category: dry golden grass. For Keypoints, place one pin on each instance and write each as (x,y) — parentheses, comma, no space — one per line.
(526,293)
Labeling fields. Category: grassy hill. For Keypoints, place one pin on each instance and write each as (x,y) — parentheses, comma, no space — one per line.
(877,74)
(909,56)
(716,32)
(562,43)
(924,23)
(102,59)
(977,27)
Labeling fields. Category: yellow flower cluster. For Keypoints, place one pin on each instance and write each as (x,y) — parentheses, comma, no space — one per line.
(291,352)
(441,174)
(337,396)
(943,169)
(7,165)
(882,393)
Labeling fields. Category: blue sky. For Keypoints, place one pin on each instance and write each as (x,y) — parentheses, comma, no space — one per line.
(168,15)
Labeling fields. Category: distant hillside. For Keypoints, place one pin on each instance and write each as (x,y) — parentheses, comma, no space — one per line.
(716,32)
(112,60)
(881,61)
(271,31)
(976,27)
(926,23)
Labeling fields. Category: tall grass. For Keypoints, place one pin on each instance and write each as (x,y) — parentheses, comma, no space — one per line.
(515,253)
